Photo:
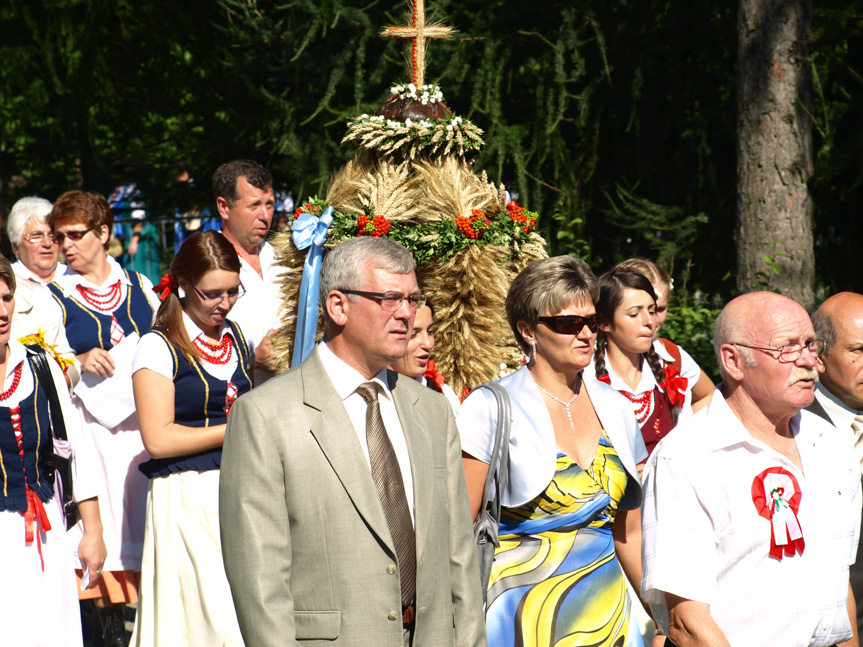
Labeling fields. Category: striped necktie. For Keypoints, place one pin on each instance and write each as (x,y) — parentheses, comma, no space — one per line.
(391,491)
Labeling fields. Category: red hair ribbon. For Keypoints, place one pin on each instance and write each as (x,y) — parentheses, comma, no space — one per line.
(674,385)
(434,375)
(167,283)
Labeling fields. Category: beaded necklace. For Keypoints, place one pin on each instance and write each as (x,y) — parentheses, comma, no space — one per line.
(16,380)
(641,411)
(106,301)
(215,353)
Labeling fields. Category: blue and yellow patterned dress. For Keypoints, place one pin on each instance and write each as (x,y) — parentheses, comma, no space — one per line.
(556,579)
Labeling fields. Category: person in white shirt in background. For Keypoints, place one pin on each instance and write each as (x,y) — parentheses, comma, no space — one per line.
(751,511)
(417,362)
(37,265)
(243,190)
(838,323)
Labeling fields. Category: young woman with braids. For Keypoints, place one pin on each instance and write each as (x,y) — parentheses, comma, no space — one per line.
(187,372)
(417,363)
(626,360)
(668,351)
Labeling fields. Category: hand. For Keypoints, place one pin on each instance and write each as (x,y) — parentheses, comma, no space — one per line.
(97,362)
(92,553)
(265,356)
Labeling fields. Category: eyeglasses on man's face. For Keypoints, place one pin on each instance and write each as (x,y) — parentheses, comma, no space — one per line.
(789,353)
(36,238)
(74,236)
(214,299)
(391,301)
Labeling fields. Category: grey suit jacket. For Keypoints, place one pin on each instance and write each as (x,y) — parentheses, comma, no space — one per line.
(306,545)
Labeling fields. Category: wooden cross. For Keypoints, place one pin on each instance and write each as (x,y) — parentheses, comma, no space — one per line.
(419,32)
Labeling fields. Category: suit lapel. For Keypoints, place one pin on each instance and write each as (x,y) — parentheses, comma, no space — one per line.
(418,439)
(337,440)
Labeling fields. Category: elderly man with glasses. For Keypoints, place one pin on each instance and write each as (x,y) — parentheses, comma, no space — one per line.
(751,510)
(37,265)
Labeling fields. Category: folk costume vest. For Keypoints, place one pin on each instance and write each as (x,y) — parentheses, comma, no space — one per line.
(24,466)
(87,328)
(201,400)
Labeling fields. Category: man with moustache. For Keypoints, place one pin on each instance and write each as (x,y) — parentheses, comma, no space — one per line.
(344,511)
(751,510)
(243,190)
(838,323)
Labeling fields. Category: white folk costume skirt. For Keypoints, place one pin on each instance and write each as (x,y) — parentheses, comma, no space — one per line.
(123,495)
(39,609)
(184,596)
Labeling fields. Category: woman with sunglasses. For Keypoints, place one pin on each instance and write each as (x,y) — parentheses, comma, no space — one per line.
(197,363)
(570,526)
(417,362)
(626,359)
(105,310)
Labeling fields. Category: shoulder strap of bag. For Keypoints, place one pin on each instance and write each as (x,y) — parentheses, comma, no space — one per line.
(39,363)
(499,463)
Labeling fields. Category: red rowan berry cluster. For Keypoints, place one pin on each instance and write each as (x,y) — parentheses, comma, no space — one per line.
(374,227)
(475,226)
(516,214)
(307,208)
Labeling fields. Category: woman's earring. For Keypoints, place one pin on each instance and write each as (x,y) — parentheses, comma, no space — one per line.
(533,352)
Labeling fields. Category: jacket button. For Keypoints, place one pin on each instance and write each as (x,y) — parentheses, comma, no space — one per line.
(391,569)
(393,615)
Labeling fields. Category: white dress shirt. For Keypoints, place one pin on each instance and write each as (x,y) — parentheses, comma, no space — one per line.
(704,540)
(259,310)
(842,416)
(346,379)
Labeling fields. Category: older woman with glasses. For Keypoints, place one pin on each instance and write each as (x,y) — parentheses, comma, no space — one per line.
(570,524)
(105,310)
(38,263)
(188,370)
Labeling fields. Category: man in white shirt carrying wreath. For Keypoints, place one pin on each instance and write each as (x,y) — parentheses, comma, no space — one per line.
(751,510)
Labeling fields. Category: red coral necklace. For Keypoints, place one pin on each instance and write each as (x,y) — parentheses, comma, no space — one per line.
(16,380)
(215,353)
(106,301)
(643,401)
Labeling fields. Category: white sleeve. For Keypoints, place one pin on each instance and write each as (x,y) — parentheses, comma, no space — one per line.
(688,368)
(153,353)
(452,398)
(85,463)
(477,425)
(678,555)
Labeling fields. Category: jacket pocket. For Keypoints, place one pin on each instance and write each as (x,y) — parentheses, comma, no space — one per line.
(317,625)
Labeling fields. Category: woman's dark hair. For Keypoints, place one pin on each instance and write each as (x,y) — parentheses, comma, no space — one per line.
(7,274)
(611,287)
(199,254)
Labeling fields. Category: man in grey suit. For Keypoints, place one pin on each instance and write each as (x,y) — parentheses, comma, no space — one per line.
(838,323)
(344,513)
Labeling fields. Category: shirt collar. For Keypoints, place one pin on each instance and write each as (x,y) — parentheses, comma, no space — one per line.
(841,415)
(70,279)
(346,378)
(647,383)
(24,272)
(194,331)
(662,351)
(17,353)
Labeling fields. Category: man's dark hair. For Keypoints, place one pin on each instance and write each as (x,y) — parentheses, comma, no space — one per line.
(825,330)
(226,176)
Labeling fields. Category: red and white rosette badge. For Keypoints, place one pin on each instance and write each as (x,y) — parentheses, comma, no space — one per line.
(776,495)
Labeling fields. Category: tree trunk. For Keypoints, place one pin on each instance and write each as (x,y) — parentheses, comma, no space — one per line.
(774,149)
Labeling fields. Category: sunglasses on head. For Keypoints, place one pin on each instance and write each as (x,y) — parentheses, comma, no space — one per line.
(570,324)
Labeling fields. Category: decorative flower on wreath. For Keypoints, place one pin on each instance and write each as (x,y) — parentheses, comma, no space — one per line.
(475,226)
(314,209)
(776,495)
(674,386)
(375,227)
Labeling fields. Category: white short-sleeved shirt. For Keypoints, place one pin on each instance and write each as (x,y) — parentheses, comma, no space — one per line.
(688,369)
(703,538)
(346,379)
(154,353)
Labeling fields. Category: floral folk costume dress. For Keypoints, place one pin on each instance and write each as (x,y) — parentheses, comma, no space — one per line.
(556,579)
(185,597)
(108,316)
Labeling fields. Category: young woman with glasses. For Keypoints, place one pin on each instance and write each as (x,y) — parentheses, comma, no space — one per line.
(105,310)
(188,371)
(570,524)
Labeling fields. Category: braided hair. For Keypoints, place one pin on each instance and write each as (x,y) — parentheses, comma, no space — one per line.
(611,287)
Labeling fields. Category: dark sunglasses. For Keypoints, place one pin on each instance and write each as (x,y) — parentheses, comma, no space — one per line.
(74,236)
(570,324)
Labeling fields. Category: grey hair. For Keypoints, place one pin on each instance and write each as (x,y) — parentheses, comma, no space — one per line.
(22,212)
(727,329)
(345,266)
(547,286)
(825,329)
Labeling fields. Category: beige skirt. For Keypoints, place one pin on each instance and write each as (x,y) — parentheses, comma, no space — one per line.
(184,597)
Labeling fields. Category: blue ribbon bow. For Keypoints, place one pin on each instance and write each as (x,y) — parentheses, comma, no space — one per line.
(309,231)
